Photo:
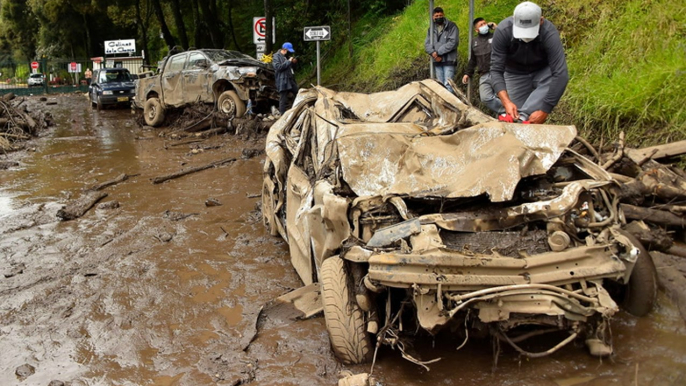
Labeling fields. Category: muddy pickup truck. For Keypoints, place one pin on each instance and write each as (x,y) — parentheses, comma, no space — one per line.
(227,79)
(415,212)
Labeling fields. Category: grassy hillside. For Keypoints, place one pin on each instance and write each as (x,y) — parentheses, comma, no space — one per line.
(627,60)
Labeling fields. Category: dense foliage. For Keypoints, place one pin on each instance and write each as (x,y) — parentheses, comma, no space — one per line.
(626,57)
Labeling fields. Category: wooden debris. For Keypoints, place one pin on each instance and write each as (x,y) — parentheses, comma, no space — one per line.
(158,180)
(121,178)
(655,152)
(80,206)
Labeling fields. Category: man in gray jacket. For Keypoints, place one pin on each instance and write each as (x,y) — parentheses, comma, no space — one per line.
(528,65)
(443,49)
(285,80)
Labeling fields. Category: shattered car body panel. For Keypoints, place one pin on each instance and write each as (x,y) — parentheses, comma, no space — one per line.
(428,199)
(202,75)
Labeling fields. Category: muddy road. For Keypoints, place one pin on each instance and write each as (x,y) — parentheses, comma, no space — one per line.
(165,290)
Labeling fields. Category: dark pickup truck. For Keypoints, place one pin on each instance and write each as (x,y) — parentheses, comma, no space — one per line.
(228,79)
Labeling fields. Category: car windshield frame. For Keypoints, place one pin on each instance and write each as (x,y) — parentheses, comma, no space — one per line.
(104,78)
(219,56)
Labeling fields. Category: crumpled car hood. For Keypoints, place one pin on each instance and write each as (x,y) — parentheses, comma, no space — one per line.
(489,158)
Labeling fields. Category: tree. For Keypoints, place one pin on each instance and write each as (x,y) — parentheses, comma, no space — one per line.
(18,26)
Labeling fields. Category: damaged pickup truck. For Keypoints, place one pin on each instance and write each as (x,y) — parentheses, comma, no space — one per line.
(412,209)
(228,79)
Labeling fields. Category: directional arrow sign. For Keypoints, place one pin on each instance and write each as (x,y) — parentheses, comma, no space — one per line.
(313,34)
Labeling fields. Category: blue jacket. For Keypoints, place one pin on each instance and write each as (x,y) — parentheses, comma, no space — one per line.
(284,72)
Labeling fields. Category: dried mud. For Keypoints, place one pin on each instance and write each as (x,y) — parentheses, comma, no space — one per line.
(166,290)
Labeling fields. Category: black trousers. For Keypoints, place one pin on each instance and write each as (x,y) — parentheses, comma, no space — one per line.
(283,99)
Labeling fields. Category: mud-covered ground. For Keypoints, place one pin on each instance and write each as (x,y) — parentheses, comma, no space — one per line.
(165,290)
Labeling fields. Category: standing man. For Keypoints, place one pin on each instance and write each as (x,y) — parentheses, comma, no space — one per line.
(285,80)
(88,75)
(528,65)
(443,49)
(481,59)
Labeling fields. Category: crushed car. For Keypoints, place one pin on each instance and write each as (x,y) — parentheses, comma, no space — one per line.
(414,211)
(230,80)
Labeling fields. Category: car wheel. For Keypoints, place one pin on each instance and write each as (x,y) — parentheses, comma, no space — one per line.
(153,112)
(344,317)
(92,99)
(231,105)
(99,103)
(641,291)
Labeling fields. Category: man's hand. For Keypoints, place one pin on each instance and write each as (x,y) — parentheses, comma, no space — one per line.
(434,55)
(511,109)
(465,79)
(538,117)
(438,59)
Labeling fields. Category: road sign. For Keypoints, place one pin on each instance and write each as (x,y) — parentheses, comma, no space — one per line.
(74,67)
(124,46)
(312,34)
(259,30)
(34,65)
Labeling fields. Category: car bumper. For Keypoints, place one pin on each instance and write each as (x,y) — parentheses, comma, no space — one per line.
(115,99)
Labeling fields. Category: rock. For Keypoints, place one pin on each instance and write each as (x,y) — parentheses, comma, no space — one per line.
(109,205)
(55,382)
(16,270)
(251,153)
(212,202)
(356,380)
(165,237)
(24,371)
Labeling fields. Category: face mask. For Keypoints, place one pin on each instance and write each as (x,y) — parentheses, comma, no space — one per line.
(526,40)
(439,20)
(483,29)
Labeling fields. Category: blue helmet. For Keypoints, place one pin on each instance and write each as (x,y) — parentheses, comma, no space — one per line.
(288,46)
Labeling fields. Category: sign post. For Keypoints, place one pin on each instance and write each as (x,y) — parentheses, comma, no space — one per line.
(317,34)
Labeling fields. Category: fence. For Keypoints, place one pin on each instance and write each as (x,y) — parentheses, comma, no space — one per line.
(60,75)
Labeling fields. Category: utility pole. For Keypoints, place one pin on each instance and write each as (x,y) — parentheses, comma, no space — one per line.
(268,38)
(431,36)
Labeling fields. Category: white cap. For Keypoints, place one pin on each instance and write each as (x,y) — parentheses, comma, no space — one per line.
(527,21)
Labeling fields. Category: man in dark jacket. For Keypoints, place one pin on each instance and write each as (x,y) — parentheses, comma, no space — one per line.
(285,80)
(528,65)
(481,59)
(443,49)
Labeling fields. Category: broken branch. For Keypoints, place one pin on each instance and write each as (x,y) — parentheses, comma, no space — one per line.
(158,180)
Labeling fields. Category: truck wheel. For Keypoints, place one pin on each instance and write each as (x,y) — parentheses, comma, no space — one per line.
(153,112)
(641,291)
(231,105)
(344,318)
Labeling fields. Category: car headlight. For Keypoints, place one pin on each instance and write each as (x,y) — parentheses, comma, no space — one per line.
(248,71)
(106,92)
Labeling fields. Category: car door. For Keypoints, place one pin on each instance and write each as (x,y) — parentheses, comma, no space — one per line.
(196,79)
(172,85)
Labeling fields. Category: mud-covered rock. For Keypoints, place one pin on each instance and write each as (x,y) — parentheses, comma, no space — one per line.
(55,382)
(109,205)
(24,371)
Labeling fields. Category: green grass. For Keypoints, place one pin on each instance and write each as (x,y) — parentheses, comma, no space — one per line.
(627,60)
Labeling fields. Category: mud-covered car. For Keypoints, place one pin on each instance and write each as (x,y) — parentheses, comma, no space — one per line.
(412,209)
(111,86)
(228,79)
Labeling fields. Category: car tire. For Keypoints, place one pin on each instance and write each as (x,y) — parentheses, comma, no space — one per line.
(230,105)
(153,112)
(641,290)
(344,317)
